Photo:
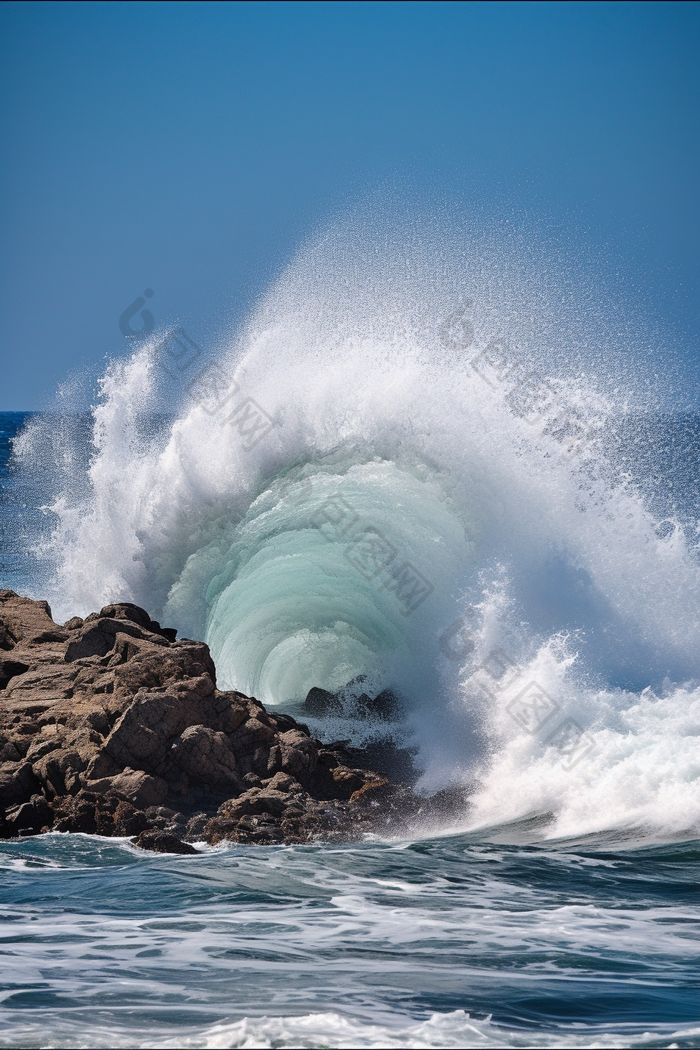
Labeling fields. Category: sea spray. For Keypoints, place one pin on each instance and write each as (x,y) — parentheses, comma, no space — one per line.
(440,419)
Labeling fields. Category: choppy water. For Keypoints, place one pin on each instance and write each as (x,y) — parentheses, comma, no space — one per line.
(439,465)
(441,943)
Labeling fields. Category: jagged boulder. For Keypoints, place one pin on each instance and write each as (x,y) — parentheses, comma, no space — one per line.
(163,842)
(207,754)
(59,771)
(28,818)
(135,786)
(18,782)
(351,702)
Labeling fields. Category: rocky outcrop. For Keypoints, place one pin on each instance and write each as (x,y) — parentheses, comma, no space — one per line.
(112,726)
(353,702)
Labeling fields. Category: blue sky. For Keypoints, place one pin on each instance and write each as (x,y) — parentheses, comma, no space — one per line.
(190,147)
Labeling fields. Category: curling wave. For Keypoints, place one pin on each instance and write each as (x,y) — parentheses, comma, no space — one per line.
(407,466)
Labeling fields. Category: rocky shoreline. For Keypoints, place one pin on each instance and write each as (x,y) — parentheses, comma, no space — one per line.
(112,726)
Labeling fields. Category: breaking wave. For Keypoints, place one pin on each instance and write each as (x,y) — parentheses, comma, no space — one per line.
(423,460)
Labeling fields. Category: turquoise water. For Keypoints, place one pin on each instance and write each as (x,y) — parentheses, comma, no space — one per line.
(445,943)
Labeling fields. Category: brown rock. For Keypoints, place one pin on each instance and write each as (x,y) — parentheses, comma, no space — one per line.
(320,702)
(100,767)
(299,753)
(256,800)
(100,637)
(42,685)
(230,710)
(251,734)
(196,825)
(164,842)
(25,621)
(17,782)
(134,614)
(372,790)
(128,820)
(180,662)
(9,751)
(11,669)
(283,782)
(76,814)
(59,772)
(142,736)
(29,817)
(348,781)
(207,756)
(137,787)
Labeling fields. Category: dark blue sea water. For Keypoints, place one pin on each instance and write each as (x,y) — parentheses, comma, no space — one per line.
(441,943)
(16,506)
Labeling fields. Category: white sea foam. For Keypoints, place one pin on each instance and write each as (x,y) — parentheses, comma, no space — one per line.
(445,943)
(387,429)
(456,1029)
(330,1029)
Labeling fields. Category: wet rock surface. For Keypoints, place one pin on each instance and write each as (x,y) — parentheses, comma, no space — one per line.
(112,726)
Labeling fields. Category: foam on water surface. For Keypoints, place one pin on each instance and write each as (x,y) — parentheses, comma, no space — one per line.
(445,942)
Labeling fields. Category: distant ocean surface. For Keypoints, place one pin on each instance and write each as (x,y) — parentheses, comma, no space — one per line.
(14,505)
(519,560)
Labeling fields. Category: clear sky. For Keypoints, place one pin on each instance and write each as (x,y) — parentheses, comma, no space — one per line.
(190,147)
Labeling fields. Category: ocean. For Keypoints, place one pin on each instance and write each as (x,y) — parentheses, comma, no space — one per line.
(390,474)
